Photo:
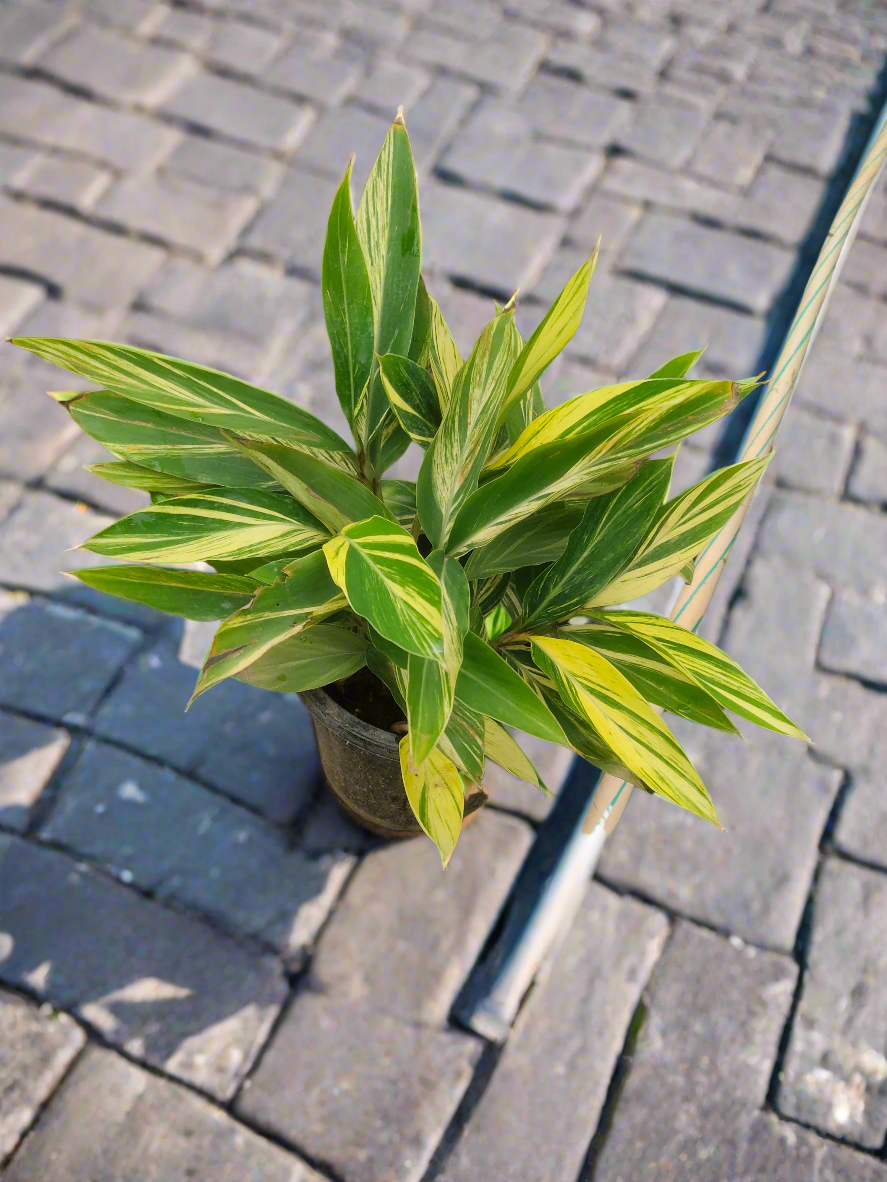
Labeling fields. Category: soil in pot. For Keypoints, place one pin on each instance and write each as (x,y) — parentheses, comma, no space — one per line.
(367,698)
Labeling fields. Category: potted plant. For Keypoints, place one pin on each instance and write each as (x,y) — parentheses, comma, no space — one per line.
(419,620)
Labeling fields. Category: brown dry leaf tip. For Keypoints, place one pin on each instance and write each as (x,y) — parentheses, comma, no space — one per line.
(398,118)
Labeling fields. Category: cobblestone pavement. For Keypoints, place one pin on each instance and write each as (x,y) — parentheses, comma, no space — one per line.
(206,973)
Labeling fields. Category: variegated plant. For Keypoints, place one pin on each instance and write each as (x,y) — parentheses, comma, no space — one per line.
(482,595)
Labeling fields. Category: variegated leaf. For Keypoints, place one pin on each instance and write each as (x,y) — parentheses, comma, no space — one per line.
(192,594)
(219,523)
(437,797)
(488,684)
(453,462)
(400,497)
(276,614)
(128,475)
(596,690)
(462,742)
(679,366)
(412,395)
(504,750)
(538,539)
(707,665)
(193,393)
(603,543)
(488,592)
(316,656)
(660,681)
(377,565)
(441,355)
(681,530)
(336,498)
(348,309)
(553,332)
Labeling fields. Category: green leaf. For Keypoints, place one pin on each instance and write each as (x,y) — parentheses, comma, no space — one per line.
(707,666)
(601,546)
(497,622)
(437,797)
(503,749)
(462,741)
(270,572)
(421,338)
(441,355)
(400,497)
(127,475)
(681,529)
(553,332)
(377,565)
(489,592)
(488,684)
(453,462)
(538,539)
(389,232)
(276,614)
(585,740)
(192,594)
(679,366)
(193,393)
(348,308)
(597,691)
(335,497)
(160,442)
(219,523)
(412,396)
(660,681)
(314,657)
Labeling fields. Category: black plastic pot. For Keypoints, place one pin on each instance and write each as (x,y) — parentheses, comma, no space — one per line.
(361,765)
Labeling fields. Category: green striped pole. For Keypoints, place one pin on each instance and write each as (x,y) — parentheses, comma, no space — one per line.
(612,793)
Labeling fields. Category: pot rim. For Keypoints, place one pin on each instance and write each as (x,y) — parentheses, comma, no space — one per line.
(363,734)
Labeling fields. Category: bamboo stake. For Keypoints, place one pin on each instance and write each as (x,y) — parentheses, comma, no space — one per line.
(612,794)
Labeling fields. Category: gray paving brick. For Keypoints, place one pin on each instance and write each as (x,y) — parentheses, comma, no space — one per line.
(165,334)
(834,1070)
(272,767)
(64,181)
(245,48)
(292,226)
(568,377)
(327,829)
(650,44)
(854,637)
(496,151)
(665,132)
(162,986)
(135,15)
(596,67)
(635,180)
(714,1017)
(618,315)
(36,1050)
(861,386)
(111,1116)
(693,90)
(184,843)
(776,30)
(84,653)
(567,111)
(116,67)
(68,476)
(812,138)
(542,1106)
(29,754)
(843,543)
(317,67)
(605,218)
(10,495)
(465,312)
(426,937)
(337,136)
(472,20)
(862,825)
(391,83)
(436,115)
(865,267)
(781,204)
(241,112)
(18,297)
(726,58)
(730,153)
(98,269)
(559,17)
(223,166)
(712,263)
(495,243)
(25,32)
(506,59)
(370,1100)
(814,454)
(13,160)
(868,480)
(739,880)
(239,299)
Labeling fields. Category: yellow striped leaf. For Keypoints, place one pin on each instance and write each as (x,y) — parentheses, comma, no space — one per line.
(192,594)
(488,684)
(335,497)
(412,396)
(489,592)
(316,656)
(275,614)
(682,528)
(504,750)
(596,690)
(453,462)
(462,742)
(377,565)
(129,475)
(554,331)
(610,532)
(389,232)
(708,666)
(348,308)
(442,354)
(660,681)
(219,523)
(193,393)
(437,796)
